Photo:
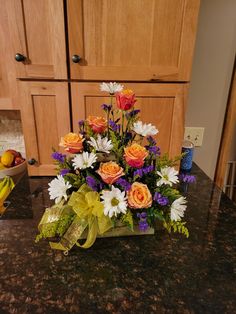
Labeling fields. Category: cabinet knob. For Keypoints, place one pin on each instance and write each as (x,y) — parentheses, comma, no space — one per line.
(19,57)
(76,58)
(32,161)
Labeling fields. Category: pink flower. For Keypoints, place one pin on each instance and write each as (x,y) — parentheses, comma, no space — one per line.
(97,124)
(125,99)
(135,154)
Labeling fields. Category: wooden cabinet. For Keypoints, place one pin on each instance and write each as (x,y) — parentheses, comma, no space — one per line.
(147,42)
(45,118)
(137,40)
(8,83)
(161,104)
(37,33)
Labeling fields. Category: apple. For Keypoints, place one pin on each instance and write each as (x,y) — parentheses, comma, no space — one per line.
(14,153)
(18,160)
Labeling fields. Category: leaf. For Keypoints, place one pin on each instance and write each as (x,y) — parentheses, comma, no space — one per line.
(164,161)
(115,141)
(177,226)
(158,215)
(128,220)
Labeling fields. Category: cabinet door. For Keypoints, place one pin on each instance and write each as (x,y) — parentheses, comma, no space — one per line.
(8,84)
(45,118)
(37,33)
(132,39)
(161,104)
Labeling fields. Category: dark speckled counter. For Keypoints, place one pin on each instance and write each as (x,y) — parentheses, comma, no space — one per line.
(150,274)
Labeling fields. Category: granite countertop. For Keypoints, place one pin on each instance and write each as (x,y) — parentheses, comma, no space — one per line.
(144,274)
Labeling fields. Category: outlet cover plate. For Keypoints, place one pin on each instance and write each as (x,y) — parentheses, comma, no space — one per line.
(194,135)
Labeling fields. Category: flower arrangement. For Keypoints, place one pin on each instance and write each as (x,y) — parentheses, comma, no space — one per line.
(112,172)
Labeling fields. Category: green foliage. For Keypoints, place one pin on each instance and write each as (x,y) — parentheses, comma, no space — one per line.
(58,227)
(128,220)
(74,179)
(165,161)
(48,231)
(169,192)
(176,226)
(64,223)
(114,140)
(117,149)
(154,214)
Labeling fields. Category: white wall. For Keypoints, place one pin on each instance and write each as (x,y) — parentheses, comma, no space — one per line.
(211,75)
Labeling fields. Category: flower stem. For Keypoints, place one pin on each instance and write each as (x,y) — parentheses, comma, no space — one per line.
(123,119)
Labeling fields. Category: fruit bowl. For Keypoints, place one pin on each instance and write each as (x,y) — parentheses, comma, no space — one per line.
(13,171)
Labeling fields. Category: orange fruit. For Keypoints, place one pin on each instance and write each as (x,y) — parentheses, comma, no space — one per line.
(2,166)
(7,159)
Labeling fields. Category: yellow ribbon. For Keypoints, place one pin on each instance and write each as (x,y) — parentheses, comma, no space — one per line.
(89,214)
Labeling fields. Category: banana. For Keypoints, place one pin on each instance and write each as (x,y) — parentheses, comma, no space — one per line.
(6,186)
(2,183)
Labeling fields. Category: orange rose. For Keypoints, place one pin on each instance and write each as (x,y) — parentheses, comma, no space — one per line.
(72,142)
(125,99)
(139,196)
(98,124)
(110,172)
(135,155)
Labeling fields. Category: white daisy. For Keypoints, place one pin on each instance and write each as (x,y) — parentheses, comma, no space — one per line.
(84,160)
(144,129)
(114,202)
(178,208)
(168,176)
(57,189)
(101,144)
(111,88)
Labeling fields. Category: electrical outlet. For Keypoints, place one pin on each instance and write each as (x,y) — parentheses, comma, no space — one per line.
(194,135)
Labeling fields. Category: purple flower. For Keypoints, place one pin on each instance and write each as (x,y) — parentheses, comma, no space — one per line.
(92,183)
(138,172)
(142,215)
(106,107)
(160,199)
(63,172)
(132,113)
(151,140)
(148,169)
(187,178)
(115,127)
(124,184)
(142,224)
(58,157)
(153,149)
(81,123)
(145,170)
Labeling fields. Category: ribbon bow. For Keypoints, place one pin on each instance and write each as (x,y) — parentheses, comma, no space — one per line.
(88,214)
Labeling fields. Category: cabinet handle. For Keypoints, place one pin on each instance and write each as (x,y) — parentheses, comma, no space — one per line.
(76,58)
(32,161)
(19,57)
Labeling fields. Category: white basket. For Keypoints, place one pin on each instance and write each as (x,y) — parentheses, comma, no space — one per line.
(13,171)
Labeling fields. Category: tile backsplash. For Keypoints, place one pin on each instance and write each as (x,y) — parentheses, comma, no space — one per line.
(11,134)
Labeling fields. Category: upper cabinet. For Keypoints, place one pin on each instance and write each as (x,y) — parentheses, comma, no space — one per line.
(137,40)
(8,82)
(37,36)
